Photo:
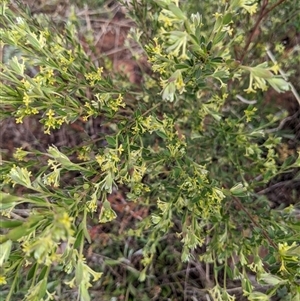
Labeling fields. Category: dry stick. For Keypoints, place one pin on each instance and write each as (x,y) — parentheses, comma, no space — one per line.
(262,14)
(250,38)
(185,281)
(264,232)
(277,185)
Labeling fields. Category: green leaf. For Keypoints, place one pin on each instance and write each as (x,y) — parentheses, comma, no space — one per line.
(19,232)
(209,45)
(176,11)
(7,224)
(238,189)
(227,18)
(261,72)
(143,275)
(5,249)
(86,233)
(42,273)
(84,294)
(258,296)
(279,84)
(42,289)
(219,37)
(31,272)
(111,141)
(78,239)
(161,3)
(79,272)
(181,66)
(217,60)
(271,279)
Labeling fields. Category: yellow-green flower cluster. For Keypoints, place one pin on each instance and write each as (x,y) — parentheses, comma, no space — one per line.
(53,178)
(93,77)
(178,44)
(27,110)
(177,149)
(92,204)
(66,59)
(89,111)
(38,41)
(248,5)
(20,175)
(175,82)
(107,214)
(52,121)
(169,17)
(249,113)
(62,227)
(287,254)
(84,153)
(46,75)
(20,154)
(261,75)
(147,124)
(110,159)
(111,103)
(155,53)
(104,101)
(2,280)
(84,276)
(43,249)
(270,163)
(134,173)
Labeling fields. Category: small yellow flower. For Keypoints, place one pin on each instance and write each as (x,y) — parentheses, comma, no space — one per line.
(20,154)
(249,90)
(275,68)
(250,8)
(100,159)
(65,220)
(50,113)
(92,206)
(71,283)
(217,15)
(19,119)
(180,85)
(2,280)
(26,99)
(120,149)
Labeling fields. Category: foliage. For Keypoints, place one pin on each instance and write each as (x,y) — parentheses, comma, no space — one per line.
(186,144)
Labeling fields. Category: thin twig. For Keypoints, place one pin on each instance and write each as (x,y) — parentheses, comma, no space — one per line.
(263,13)
(281,124)
(253,31)
(186,281)
(272,7)
(264,232)
(277,185)
(244,100)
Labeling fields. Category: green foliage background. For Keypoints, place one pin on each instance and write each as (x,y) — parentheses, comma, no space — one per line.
(194,145)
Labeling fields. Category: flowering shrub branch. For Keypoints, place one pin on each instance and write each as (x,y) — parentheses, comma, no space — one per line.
(179,145)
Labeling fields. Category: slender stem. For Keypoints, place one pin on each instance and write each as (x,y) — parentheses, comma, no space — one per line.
(255,27)
(263,13)
(272,7)
(264,232)
(8,297)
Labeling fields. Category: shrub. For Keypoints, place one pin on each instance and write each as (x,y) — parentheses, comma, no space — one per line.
(190,144)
